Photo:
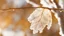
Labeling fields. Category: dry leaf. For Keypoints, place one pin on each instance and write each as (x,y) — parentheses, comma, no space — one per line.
(39,19)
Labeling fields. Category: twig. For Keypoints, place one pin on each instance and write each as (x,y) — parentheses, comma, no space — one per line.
(33,7)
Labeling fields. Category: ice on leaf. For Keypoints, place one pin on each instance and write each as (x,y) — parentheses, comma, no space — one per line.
(39,19)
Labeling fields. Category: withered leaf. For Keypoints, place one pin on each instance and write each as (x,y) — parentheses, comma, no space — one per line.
(39,19)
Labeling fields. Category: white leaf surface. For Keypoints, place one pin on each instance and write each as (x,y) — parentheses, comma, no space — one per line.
(47,3)
(39,19)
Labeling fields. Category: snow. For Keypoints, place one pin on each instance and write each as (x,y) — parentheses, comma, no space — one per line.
(12,33)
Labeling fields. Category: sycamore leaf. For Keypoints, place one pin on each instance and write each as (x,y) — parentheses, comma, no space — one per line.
(39,19)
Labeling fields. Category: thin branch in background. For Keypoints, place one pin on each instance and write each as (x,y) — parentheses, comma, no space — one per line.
(33,7)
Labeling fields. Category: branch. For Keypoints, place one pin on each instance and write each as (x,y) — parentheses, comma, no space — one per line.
(33,7)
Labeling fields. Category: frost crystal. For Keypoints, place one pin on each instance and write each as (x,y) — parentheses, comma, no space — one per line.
(39,19)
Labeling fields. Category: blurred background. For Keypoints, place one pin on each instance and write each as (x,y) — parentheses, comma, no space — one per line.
(13,22)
